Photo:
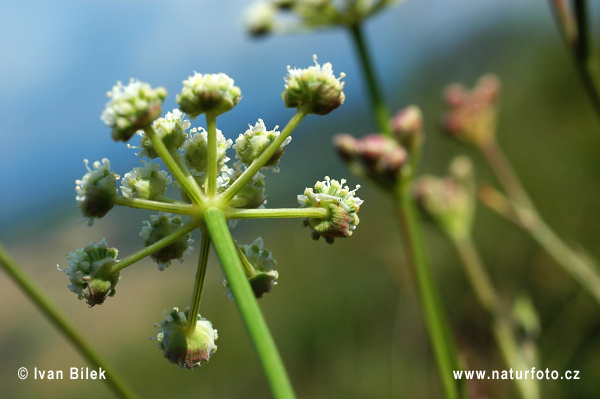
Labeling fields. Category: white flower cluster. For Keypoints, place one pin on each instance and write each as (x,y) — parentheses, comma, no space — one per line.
(147,182)
(172,130)
(96,190)
(253,143)
(214,93)
(159,227)
(196,150)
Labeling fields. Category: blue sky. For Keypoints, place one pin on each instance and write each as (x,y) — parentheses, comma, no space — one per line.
(59,58)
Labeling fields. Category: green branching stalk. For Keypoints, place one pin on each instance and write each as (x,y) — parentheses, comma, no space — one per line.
(276,213)
(177,168)
(150,249)
(259,162)
(199,282)
(501,326)
(63,324)
(180,208)
(211,128)
(240,287)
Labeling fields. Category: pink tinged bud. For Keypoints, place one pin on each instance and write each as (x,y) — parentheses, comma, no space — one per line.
(346,145)
(407,126)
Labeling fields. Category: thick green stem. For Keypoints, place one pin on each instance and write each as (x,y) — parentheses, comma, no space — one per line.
(259,162)
(63,324)
(501,324)
(150,249)
(211,128)
(199,283)
(276,213)
(438,329)
(173,207)
(380,110)
(176,167)
(247,304)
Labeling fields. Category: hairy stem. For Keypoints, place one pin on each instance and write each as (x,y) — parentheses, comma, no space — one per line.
(63,324)
(242,292)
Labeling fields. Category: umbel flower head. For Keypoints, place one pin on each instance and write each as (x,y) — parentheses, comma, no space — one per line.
(263,274)
(90,273)
(254,141)
(314,89)
(342,204)
(159,227)
(196,150)
(96,191)
(171,130)
(472,116)
(450,201)
(147,182)
(251,196)
(131,108)
(208,93)
(182,347)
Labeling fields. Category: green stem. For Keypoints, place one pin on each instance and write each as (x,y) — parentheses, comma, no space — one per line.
(211,127)
(438,329)
(199,283)
(276,213)
(380,110)
(575,31)
(173,207)
(579,266)
(176,167)
(150,249)
(501,325)
(264,157)
(63,324)
(247,304)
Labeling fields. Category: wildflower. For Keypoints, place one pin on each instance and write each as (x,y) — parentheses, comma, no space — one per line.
(254,141)
(182,347)
(171,130)
(342,204)
(131,108)
(208,93)
(196,150)
(407,126)
(159,227)
(260,18)
(147,182)
(472,116)
(314,89)
(450,201)
(90,272)
(263,275)
(251,196)
(97,190)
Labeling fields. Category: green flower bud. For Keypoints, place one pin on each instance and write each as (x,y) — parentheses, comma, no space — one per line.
(196,150)
(208,93)
(263,276)
(147,182)
(342,204)
(159,227)
(171,130)
(315,89)
(473,115)
(254,141)
(450,201)
(251,196)
(90,272)
(131,108)
(96,191)
(182,347)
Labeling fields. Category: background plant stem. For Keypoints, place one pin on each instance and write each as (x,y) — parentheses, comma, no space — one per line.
(63,324)
(253,319)
(380,110)
(501,325)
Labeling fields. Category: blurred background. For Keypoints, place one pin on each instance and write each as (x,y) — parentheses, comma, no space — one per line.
(345,316)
